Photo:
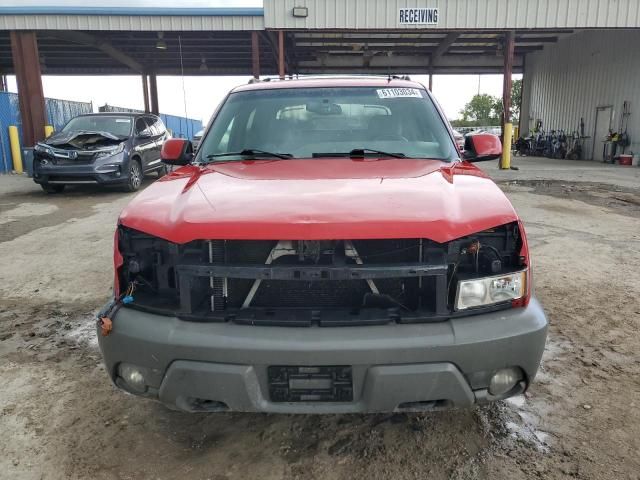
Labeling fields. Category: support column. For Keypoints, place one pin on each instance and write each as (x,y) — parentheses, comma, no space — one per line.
(507,129)
(255,55)
(523,131)
(281,71)
(153,94)
(26,63)
(145,93)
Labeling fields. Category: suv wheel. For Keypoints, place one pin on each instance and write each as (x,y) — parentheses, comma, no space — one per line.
(47,187)
(135,176)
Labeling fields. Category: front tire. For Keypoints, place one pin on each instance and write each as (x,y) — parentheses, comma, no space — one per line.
(135,176)
(47,187)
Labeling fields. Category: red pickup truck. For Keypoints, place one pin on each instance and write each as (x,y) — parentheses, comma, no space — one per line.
(328,249)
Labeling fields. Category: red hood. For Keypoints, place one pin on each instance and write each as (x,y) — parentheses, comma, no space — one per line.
(320,199)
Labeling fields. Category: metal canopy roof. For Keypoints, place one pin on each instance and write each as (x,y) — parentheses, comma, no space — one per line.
(328,36)
(307,51)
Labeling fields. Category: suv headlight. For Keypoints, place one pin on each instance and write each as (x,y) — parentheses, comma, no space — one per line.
(39,147)
(110,153)
(489,290)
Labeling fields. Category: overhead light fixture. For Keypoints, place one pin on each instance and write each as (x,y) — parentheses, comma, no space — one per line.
(300,12)
(161,44)
(203,65)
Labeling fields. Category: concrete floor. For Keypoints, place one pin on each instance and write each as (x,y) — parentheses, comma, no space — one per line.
(541,168)
(60,418)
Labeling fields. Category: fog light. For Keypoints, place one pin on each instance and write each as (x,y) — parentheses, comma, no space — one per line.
(504,380)
(133,377)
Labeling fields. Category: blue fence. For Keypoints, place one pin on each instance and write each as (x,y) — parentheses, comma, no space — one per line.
(58,113)
(180,127)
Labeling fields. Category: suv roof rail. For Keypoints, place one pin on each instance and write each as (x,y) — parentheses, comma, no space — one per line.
(323,77)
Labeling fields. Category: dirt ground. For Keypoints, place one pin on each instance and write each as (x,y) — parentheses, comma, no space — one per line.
(61,418)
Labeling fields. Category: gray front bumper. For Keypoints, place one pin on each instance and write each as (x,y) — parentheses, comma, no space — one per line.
(449,363)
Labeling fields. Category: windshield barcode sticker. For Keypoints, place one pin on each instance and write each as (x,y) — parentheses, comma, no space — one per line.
(398,93)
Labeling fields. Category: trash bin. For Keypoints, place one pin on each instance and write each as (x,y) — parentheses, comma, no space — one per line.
(27,160)
(625,160)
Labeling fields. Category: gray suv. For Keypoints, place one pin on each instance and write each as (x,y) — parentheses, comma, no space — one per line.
(101,148)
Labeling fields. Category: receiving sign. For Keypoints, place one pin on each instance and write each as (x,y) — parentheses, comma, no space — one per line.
(418,16)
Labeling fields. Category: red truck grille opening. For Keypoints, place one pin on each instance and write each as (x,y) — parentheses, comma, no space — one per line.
(303,283)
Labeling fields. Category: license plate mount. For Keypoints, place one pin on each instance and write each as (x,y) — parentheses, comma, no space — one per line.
(310,383)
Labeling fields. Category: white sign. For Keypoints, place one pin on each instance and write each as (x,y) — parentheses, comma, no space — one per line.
(399,92)
(418,16)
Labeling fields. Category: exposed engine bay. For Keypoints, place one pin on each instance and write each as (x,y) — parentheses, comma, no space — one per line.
(84,140)
(362,282)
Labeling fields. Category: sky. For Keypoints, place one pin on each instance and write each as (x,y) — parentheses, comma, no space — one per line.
(204,93)
(135,3)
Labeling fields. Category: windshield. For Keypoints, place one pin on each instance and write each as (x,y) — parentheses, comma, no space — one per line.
(118,126)
(314,122)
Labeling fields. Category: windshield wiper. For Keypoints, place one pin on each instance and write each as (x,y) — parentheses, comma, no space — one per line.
(359,153)
(249,152)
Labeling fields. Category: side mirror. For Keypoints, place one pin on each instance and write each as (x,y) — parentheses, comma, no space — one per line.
(176,151)
(481,147)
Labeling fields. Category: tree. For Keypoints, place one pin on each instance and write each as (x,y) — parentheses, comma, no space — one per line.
(516,98)
(480,110)
(484,110)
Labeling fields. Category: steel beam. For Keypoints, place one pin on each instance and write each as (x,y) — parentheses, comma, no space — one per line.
(508,72)
(303,40)
(468,62)
(255,55)
(442,48)
(153,94)
(93,41)
(26,62)
(145,93)
(281,70)
(506,100)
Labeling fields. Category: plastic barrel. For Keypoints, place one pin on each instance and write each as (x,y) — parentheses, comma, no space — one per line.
(27,158)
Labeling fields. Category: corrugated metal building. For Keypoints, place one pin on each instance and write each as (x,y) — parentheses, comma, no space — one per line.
(588,75)
(455,14)
(118,18)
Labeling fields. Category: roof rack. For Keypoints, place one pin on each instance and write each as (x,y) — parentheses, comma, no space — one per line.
(323,77)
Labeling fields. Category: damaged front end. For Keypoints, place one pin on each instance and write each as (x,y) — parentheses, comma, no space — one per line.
(80,157)
(78,146)
(327,282)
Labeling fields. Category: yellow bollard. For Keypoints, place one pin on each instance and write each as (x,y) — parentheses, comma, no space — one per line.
(48,131)
(14,141)
(505,164)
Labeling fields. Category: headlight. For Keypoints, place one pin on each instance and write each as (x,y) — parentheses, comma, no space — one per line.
(490,290)
(109,153)
(42,148)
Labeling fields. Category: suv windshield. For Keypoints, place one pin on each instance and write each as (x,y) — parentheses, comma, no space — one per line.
(118,126)
(314,122)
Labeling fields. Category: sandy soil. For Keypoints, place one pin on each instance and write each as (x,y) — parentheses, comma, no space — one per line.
(61,418)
